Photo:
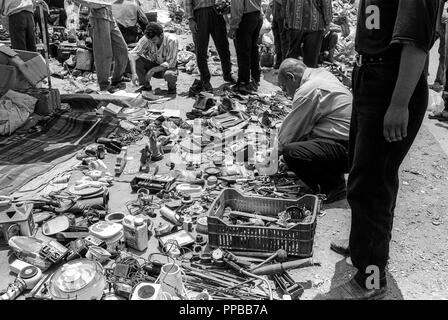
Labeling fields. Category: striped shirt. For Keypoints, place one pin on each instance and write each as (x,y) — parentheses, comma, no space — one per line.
(165,56)
(308,15)
(192,5)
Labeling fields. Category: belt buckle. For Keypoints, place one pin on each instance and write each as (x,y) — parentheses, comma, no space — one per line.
(359,60)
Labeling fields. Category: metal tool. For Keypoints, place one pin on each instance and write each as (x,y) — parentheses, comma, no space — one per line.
(293,289)
(280,255)
(121,161)
(154,148)
(236,267)
(43,28)
(281,267)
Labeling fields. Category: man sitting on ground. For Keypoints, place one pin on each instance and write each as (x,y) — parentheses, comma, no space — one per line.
(313,138)
(155,56)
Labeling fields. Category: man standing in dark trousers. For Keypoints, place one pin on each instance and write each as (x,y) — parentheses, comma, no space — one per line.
(307,22)
(390,99)
(281,37)
(443,115)
(204,22)
(245,25)
(20,14)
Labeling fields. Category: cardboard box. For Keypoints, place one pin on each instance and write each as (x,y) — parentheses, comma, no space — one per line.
(20,69)
(48,100)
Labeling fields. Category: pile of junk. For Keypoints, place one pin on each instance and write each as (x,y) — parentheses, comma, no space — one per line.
(165,208)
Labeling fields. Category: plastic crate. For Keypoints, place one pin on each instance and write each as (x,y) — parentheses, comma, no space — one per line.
(297,240)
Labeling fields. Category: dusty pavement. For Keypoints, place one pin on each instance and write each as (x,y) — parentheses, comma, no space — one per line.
(419,250)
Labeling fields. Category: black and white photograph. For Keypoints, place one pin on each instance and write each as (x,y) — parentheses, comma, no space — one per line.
(251,153)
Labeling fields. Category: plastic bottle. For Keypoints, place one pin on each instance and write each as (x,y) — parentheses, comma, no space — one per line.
(135,232)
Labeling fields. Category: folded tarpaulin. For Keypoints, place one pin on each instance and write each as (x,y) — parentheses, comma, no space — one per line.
(90,101)
(26,156)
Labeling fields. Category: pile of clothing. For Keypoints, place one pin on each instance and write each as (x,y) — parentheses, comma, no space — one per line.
(15,108)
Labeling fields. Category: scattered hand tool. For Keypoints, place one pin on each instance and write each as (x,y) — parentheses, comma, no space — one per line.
(281,267)
(280,255)
(293,289)
(112,145)
(252,216)
(236,267)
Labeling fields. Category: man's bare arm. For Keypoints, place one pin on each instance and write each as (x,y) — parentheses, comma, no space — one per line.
(412,63)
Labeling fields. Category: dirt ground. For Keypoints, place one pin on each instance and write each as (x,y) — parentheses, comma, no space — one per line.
(418,266)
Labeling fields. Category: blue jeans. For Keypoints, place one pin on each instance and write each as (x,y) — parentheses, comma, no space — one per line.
(374,163)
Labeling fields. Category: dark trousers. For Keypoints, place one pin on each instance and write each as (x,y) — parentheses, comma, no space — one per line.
(281,38)
(211,24)
(142,67)
(21,31)
(318,162)
(373,180)
(130,34)
(246,38)
(306,44)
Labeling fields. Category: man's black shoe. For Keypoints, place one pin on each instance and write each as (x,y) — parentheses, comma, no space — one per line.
(243,88)
(207,87)
(117,86)
(229,78)
(254,85)
(172,91)
(341,246)
(351,290)
(337,193)
(143,88)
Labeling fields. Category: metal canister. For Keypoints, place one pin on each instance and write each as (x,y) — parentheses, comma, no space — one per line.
(170,215)
(101,152)
(187,224)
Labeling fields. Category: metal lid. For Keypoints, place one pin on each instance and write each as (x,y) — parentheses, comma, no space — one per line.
(28,272)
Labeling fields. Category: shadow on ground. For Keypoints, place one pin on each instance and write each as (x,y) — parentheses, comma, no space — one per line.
(343,268)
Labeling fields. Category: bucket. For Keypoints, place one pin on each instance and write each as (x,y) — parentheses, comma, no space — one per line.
(171,279)
(111,233)
(116,217)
